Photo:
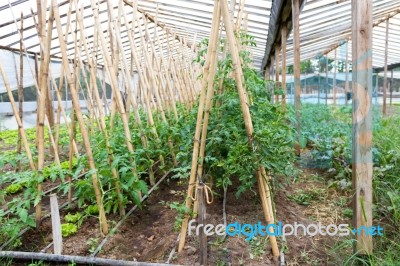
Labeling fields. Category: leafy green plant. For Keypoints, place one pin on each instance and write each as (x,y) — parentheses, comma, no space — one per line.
(73,218)
(68,229)
(92,243)
(13,188)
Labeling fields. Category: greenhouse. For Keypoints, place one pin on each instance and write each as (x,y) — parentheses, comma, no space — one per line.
(199,132)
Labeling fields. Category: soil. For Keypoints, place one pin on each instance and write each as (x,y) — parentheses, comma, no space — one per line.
(148,235)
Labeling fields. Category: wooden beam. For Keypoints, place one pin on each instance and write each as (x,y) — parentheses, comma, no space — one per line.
(333,47)
(159,24)
(362,122)
(281,13)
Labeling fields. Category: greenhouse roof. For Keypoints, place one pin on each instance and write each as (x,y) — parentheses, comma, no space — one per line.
(324,26)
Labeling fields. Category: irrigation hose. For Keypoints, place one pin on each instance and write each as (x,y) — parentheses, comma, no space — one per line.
(69,259)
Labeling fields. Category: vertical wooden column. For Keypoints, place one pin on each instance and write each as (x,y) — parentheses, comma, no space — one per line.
(362,122)
(385,69)
(334,78)
(327,81)
(283,37)
(391,87)
(271,74)
(277,48)
(346,85)
(296,65)
(20,88)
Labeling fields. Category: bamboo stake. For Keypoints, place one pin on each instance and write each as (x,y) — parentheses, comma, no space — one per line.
(243,99)
(45,60)
(75,102)
(113,78)
(158,97)
(196,144)
(18,119)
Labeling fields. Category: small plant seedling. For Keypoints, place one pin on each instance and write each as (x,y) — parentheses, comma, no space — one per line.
(92,243)
(68,229)
(13,188)
(73,218)
(348,213)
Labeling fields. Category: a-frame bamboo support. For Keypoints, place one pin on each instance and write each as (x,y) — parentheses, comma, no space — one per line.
(196,141)
(203,112)
(85,137)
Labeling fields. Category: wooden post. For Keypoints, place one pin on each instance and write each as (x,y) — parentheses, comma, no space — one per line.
(391,87)
(271,73)
(385,68)
(277,48)
(283,37)
(296,64)
(346,85)
(362,121)
(56,224)
(327,81)
(334,79)
(202,220)
(20,87)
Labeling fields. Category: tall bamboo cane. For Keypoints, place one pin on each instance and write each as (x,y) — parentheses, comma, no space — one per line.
(196,143)
(75,102)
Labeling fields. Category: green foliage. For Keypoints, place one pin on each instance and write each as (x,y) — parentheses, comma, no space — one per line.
(68,229)
(73,218)
(92,210)
(327,132)
(305,197)
(13,188)
(228,153)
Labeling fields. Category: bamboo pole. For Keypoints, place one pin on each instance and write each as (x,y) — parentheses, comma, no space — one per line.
(18,119)
(43,88)
(102,124)
(208,103)
(196,142)
(75,102)
(244,105)
(159,99)
(113,78)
